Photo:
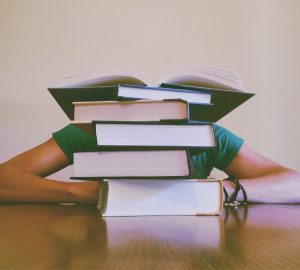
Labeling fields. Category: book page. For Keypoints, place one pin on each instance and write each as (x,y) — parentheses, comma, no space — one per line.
(193,76)
(155,135)
(149,163)
(203,77)
(108,77)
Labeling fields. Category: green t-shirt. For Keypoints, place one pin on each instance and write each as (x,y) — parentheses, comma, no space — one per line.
(72,139)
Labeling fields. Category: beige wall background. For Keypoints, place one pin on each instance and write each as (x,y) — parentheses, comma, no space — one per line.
(41,41)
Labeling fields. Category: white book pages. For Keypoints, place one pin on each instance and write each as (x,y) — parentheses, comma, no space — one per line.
(105,77)
(203,76)
(155,135)
(163,197)
(139,110)
(194,75)
(155,94)
(150,163)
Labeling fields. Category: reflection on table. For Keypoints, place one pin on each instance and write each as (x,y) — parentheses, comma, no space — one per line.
(76,237)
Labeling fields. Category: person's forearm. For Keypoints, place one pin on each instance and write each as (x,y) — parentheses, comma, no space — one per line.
(280,187)
(19,186)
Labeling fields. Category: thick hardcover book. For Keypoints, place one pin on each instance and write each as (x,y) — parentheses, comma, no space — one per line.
(169,163)
(66,96)
(161,197)
(223,101)
(154,134)
(134,110)
(154,93)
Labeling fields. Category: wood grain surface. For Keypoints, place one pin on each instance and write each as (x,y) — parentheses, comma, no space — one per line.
(76,237)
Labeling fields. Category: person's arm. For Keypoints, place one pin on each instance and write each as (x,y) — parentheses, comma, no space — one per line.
(22,178)
(264,180)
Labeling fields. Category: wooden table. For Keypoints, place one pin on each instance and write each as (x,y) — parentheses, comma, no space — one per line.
(76,237)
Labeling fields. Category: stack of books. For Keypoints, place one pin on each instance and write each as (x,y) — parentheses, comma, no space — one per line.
(144,132)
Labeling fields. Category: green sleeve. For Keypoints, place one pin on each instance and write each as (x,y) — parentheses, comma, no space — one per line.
(228,145)
(73,139)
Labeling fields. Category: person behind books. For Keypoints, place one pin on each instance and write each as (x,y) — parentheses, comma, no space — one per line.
(23,178)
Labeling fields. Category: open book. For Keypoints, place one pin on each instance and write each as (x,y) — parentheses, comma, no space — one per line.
(211,77)
(212,92)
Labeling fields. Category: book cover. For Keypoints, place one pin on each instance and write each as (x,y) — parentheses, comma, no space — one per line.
(66,96)
(223,101)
